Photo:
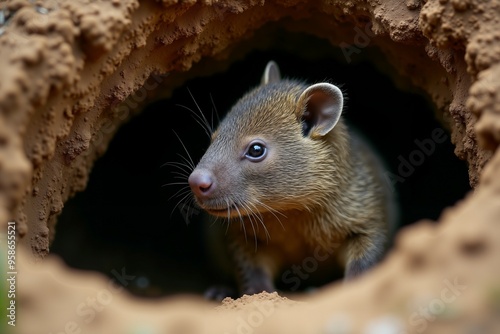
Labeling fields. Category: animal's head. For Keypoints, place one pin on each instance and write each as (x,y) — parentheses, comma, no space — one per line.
(278,148)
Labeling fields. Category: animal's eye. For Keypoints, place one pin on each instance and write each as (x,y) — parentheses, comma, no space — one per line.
(256,152)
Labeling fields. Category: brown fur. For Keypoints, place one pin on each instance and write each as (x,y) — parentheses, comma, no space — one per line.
(310,190)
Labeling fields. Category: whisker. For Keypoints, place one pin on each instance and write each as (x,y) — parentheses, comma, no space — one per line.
(228,208)
(182,173)
(182,199)
(242,223)
(215,108)
(201,113)
(212,118)
(249,216)
(173,184)
(227,226)
(181,177)
(177,164)
(191,206)
(199,117)
(187,162)
(181,170)
(254,233)
(199,120)
(168,163)
(174,164)
(261,219)
(180,192)
(185,149)
(272,211)
(228,215)
(214,220)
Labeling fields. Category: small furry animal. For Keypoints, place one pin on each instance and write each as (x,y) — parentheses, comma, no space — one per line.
(291,179)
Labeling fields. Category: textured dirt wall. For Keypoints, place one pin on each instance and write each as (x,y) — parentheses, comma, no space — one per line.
(68,66)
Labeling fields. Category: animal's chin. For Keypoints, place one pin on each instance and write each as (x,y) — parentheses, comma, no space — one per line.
(217,212)
(225,211)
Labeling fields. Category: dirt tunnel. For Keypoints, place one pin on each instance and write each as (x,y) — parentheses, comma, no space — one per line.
(99,229)
(82,155)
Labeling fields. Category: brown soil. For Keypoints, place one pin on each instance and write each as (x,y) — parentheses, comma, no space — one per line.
(68,68)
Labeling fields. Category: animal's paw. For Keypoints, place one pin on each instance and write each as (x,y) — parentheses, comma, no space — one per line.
(218,293)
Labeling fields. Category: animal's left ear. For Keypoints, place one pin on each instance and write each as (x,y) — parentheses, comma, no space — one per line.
(271,73)
(319,108)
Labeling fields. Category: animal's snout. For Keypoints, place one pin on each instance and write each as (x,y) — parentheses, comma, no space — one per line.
(202,183)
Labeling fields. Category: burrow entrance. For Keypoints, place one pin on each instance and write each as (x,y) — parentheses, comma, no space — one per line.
(125,218)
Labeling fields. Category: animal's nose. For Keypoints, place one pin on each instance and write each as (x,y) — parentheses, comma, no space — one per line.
(201,183)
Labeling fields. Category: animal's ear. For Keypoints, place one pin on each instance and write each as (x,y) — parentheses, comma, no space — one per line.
(271,73)
(319,109)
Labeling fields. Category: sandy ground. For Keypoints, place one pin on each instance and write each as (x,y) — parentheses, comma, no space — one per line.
(67,70)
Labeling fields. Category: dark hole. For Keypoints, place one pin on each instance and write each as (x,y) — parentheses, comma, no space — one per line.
(125,220)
